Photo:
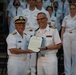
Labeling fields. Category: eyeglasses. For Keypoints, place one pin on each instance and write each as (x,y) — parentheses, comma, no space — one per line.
(41,18)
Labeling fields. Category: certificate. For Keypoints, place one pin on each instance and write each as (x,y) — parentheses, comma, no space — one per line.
(35,43)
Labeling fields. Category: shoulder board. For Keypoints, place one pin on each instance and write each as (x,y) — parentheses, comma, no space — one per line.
(25,33)
(37,29)
(54,27)
(13,33)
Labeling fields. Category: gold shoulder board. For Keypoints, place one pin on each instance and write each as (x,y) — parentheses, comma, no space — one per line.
(25,33)
(54,27)
(13,33)
(37,29)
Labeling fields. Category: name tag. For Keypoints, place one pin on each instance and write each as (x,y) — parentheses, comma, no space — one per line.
(48,36)
(19,41)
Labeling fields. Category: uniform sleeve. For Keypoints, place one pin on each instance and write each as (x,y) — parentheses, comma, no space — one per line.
(64,22)
(11,41)
(28,39)
(55,21)
(56,36)
(48,16)
(9,5)
(59,14)
(9,14)
(23,12)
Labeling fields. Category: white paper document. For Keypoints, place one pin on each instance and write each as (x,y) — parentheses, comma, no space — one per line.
(35,43)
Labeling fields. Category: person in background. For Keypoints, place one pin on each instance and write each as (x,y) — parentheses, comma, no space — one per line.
(68,37)
(58,14)
(31,26)
(51,2)
(45,3)
(15,10)
(53,19)
(39,4)
(17,43)
(47,61)
(64,4)
(23,4)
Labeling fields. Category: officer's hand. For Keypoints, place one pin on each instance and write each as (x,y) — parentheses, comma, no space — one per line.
(30,51)
(42,48)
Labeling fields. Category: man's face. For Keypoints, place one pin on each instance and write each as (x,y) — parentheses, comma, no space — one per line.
(42,20)
(39,3)
(55,5)
(72,9)
(50,10)
(17,3)
(32,2)
(20,27)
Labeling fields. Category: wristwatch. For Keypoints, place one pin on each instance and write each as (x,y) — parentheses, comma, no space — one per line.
(46,47)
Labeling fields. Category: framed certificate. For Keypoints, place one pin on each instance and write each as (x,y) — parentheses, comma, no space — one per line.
(35,43)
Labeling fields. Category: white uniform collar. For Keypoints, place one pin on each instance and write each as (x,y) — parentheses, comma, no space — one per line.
(18,33)
(32,10)
(46,29)
(42,9)
(71,17)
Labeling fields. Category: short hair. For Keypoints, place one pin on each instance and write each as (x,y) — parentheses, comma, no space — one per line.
(15,1)
(41,13)
(55,3)
(72,4)
(49,7)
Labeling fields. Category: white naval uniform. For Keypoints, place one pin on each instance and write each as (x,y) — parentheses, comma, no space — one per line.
(58,16)
(17,63)
(53,21)
(45,3)
(23,5)
(69,45)
(50,3)
(65,11)
(31,26)
(12,14)
(47,62)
